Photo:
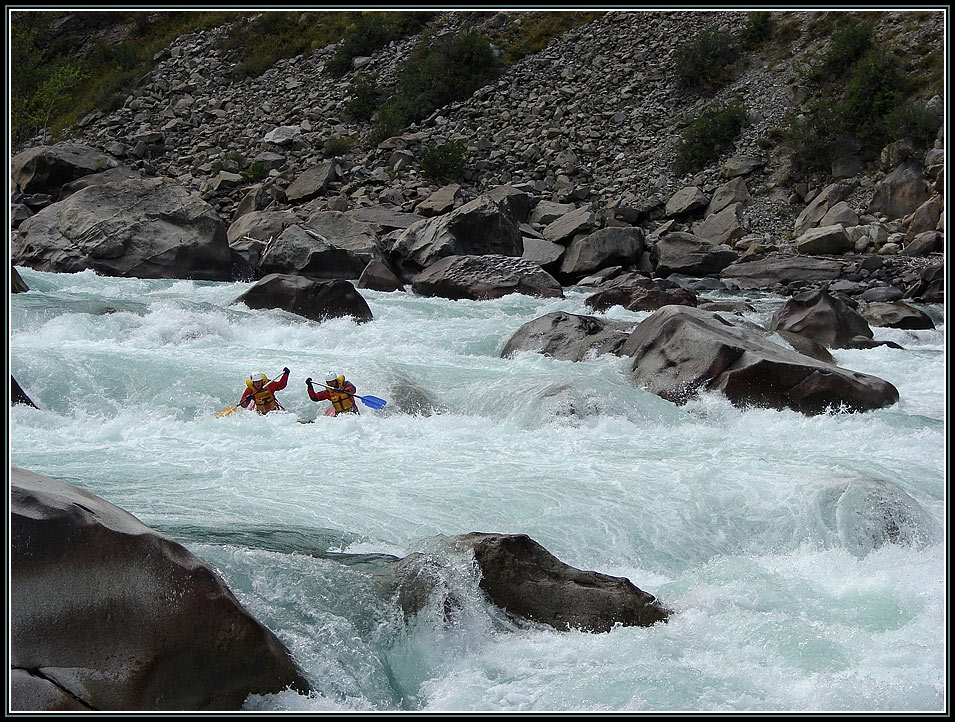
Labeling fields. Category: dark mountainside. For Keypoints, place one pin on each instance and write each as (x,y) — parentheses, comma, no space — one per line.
(594,120)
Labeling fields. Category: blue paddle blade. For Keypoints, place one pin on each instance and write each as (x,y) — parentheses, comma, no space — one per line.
(373,401)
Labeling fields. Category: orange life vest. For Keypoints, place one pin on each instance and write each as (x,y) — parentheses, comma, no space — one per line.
(264,399)
(341,402)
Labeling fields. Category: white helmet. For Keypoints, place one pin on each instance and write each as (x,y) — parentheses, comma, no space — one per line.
(330,377)
(259,377)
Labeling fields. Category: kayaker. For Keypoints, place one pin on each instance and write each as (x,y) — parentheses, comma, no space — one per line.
(261,391)
(337,390)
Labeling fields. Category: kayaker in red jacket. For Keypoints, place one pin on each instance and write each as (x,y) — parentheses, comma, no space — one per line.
(261,391)
(337,390)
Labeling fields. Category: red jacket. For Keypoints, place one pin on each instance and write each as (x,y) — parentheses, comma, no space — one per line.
(341,402)
(264,398)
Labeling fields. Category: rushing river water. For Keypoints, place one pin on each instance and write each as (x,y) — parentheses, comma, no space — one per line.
(804,557)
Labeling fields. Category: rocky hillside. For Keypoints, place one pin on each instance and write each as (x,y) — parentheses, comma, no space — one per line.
(593,120)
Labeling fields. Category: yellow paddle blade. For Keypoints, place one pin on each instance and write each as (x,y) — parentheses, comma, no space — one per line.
(227,411)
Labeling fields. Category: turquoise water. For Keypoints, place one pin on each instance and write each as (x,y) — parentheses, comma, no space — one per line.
(763,530)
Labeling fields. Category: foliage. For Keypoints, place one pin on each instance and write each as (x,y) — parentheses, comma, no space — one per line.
(851,39)
(531,32)
(708,136)
(444,162)
(757,29)
(255,172)
(437,73)
(337,146)
(372,31)
(705,62)
(365,95)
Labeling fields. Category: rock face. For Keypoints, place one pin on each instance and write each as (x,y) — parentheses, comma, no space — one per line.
(106,614)
(680,350)
(526,580)
(135,228)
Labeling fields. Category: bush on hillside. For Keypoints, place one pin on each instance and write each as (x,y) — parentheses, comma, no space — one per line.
(705,62)
(435,74)
(708,136)
(445,162)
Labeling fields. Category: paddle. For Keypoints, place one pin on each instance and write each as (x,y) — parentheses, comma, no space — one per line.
(371,401)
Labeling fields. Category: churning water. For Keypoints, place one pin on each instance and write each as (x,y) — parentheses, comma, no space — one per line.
(804,557)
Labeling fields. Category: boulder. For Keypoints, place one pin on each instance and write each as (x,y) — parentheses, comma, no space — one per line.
(108,615)
(17,284)
(824,240)
(478,228)
(604,247)
(300,250)
(260,225)
(313,182)
(641,294)
(780,271)
(485,277)
(930,288)
(680,252)
(47,168)
(527,581)
(146,228)
(813,213)
(897,314)
(315,300)
(824,318)
(679,351)
(568,337)
(18,395)
(901,192)
(378,277)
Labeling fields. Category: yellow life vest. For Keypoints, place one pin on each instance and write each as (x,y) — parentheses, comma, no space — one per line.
(265,400)
(341,401)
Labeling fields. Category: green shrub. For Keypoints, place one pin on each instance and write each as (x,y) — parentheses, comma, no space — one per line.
(337,146)
(814,137)
(705,62)
(850,41)
(451,68)
(757,29)
(445,162)
(255,172)
(373,31)
(365,96)
(534,30)
(708,136)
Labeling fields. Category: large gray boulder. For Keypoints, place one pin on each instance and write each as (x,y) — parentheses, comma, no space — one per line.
(315,300)
(568,336)
(47,168)
(605,247)
(479,228)
(301,250)
(824,318)
(108,615)
(769,273)
(687,254)
(679,351)
(148,228)
(485,277)
(901,192)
